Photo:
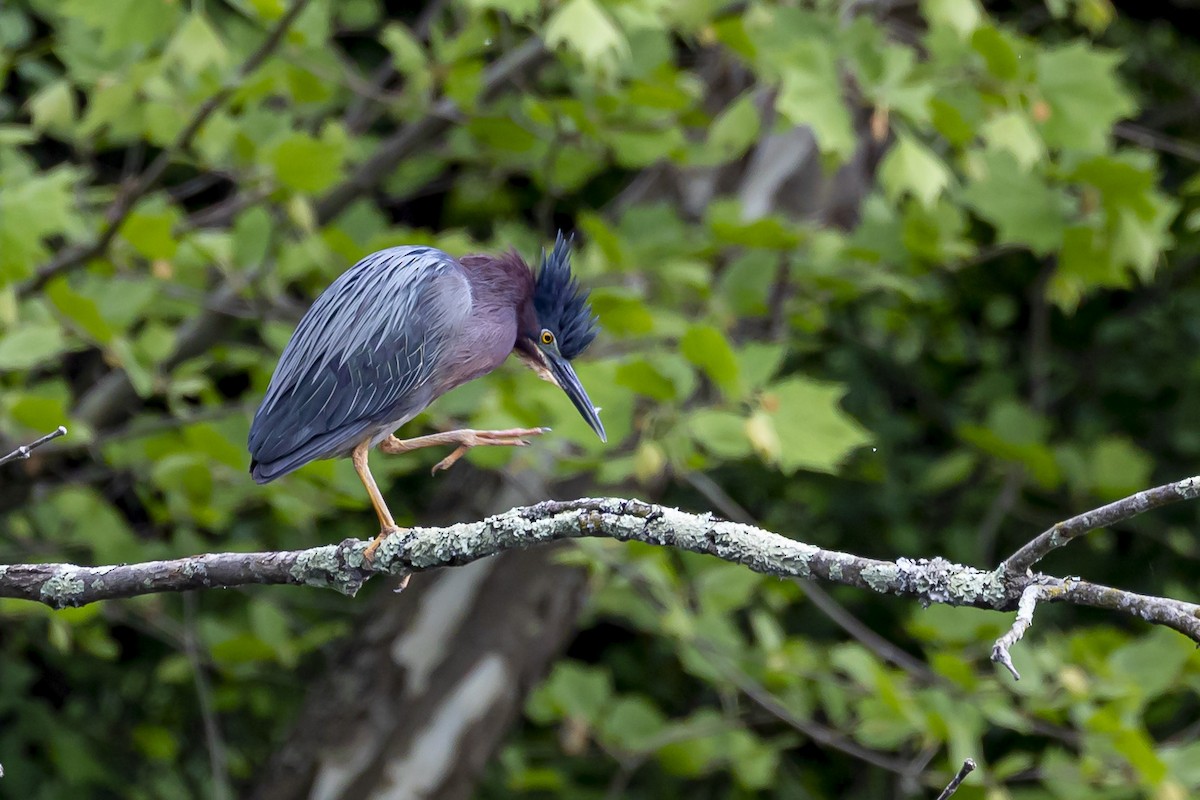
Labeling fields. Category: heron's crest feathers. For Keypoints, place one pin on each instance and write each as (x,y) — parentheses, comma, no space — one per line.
(561,304)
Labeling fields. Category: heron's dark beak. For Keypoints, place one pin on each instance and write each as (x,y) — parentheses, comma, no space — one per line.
(564,375)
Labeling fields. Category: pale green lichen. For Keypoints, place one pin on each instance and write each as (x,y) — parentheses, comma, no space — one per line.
(835,571)
(1189,488)
(194,568)
(881,578)
(972,586)
(800,567)
(63,589)
(321,567)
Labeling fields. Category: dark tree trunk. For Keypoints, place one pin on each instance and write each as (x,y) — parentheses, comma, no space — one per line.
(423,693)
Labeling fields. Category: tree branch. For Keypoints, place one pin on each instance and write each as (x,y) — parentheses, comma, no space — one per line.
(26,450)
(1065,531)
(966,769)
(1025,606)
(341,567)
(71,257)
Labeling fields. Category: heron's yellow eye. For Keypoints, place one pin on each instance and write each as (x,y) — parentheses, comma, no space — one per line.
(547,337)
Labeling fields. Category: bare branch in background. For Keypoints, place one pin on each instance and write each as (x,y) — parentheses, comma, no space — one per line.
(25,450)
(343,568)
(1062,532)
(966,769)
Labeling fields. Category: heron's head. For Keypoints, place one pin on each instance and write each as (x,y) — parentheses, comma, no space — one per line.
(562,326)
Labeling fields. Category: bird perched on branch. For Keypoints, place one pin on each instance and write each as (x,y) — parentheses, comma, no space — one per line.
(398,330)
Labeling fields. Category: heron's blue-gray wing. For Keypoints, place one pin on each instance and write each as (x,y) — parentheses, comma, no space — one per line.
(362,357)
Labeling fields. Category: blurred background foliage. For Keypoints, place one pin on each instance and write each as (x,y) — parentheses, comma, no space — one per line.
(901,278)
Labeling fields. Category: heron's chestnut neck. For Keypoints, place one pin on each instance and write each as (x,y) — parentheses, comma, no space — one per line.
(504,282)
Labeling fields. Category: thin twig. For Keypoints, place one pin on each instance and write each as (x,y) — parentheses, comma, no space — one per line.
(1157,141)
(759,694)
(1030,597)
(814,730)
(1123,509)
(393,149)
(126,199)
(364,110)
(25,450)
(966,769)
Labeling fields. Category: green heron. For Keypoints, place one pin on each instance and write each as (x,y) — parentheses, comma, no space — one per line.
(401,328)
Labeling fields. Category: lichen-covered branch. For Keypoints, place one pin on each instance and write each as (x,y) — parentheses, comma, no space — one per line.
(1030,597)
(342,567)
(1062,532)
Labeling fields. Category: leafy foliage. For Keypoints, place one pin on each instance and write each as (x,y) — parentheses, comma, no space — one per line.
(999,333)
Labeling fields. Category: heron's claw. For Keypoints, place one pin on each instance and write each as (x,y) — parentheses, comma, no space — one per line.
(369,553)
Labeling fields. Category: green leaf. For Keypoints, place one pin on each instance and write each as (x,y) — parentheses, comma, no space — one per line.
(754,761)
(306,164)
(729,224)
(911,168)
(81,310)
(708,349)
(156,742)
(651,380)
(1118,468)
(1138,242)
(1024,209)
(53,107)
(1013,432)
(407,53)
(517,10)
(962,16)
(735,129)
(1152,664)
(584,27)
(632,724)
(814,432)
(810,94)
(698,754)
(29,345)
(722,433)
(1086,98)
(1013,132)
(573,690)
(759,361)
(634,149)
(139,374)
(999,51)
(32,209)
(151,232)
(196,45)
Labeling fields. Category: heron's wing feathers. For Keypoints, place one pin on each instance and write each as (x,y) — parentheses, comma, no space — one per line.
(361,357)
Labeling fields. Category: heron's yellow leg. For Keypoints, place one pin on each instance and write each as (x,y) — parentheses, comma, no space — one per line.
(464,439)
(387,525)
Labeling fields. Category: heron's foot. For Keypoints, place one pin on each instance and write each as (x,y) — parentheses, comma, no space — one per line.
(369,553)
(466,439)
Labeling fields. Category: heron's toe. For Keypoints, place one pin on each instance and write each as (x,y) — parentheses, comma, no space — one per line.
(369,553)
